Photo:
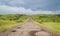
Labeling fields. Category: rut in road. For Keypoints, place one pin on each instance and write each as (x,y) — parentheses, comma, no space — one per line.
(27,29)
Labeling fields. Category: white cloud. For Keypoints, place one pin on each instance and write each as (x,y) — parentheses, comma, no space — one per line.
(8,9)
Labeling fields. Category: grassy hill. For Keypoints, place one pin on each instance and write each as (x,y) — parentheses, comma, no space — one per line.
(50,21)
(11,20)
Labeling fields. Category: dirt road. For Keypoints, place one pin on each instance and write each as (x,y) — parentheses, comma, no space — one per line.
(27,29)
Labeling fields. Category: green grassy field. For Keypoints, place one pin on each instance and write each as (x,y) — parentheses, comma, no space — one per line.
(11,20)
(50,21)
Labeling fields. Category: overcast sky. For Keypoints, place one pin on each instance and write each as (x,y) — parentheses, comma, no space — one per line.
(30,6)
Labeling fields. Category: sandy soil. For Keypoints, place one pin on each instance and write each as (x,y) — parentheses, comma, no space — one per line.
(27,29)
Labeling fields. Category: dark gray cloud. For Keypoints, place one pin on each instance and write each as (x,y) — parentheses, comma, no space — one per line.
(34,5)
(51,5)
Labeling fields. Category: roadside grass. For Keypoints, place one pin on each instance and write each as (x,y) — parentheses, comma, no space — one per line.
(53,26)
(50,21)
(10,20)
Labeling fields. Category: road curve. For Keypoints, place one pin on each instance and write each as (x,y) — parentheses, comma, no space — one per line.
(27,29)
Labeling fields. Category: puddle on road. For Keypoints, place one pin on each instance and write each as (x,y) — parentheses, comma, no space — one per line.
(13,31)
(32,33)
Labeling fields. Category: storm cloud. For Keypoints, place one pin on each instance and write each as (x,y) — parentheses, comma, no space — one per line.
(30,6)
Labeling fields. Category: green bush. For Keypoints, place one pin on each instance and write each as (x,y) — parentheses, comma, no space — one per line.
(10,20)
(47,18)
